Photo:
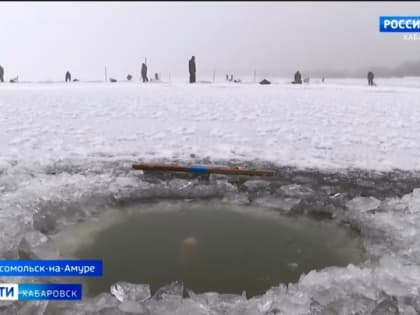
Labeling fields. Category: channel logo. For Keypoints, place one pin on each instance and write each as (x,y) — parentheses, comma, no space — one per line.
(399,24)
(40,292)
(9,292)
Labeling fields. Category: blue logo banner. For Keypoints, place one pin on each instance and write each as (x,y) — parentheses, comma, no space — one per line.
(61,292)
(399,24)
(40,291)
(48,268)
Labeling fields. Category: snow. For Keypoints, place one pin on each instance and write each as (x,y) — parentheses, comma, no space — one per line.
(317,125)
(67,150)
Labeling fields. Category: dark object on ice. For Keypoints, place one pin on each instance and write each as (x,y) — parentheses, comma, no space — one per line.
(144,72)
(323,79)
(306,80)
(298,78)
(227,77)
(112,80)
(201,169)
(129,77)
(370,78)
(192,69)
(231,77)
(157,76)
(1,74)
(237,81)
(14,80)
(75,80)
(265,81)
(68,76)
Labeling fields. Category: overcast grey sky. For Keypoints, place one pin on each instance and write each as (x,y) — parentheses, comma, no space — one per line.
(40,41)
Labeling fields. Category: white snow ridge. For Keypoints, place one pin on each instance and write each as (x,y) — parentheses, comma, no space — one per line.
(350,151)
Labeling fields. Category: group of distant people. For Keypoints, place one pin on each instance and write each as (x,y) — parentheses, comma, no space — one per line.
(298,78)
(144,77)
(230,78)
(192,71)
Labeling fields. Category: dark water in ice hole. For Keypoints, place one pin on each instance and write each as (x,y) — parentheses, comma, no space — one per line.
(211,246)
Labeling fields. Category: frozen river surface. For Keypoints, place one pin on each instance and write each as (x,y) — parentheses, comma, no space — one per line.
(344,148)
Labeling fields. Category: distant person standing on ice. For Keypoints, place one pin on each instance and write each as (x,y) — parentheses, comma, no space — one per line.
(191,69)
(144,72)
(68,76)
(370,78)
(1,74)
(298,78)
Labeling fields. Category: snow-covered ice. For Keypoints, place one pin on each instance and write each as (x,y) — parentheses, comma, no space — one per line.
(306,126)
(341,147)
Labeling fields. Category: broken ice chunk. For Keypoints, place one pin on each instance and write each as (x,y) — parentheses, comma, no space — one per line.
(363,204)
(175,288)
(34,245)
(125,291)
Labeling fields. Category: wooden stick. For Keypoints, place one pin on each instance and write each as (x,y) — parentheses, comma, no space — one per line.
(201,169)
